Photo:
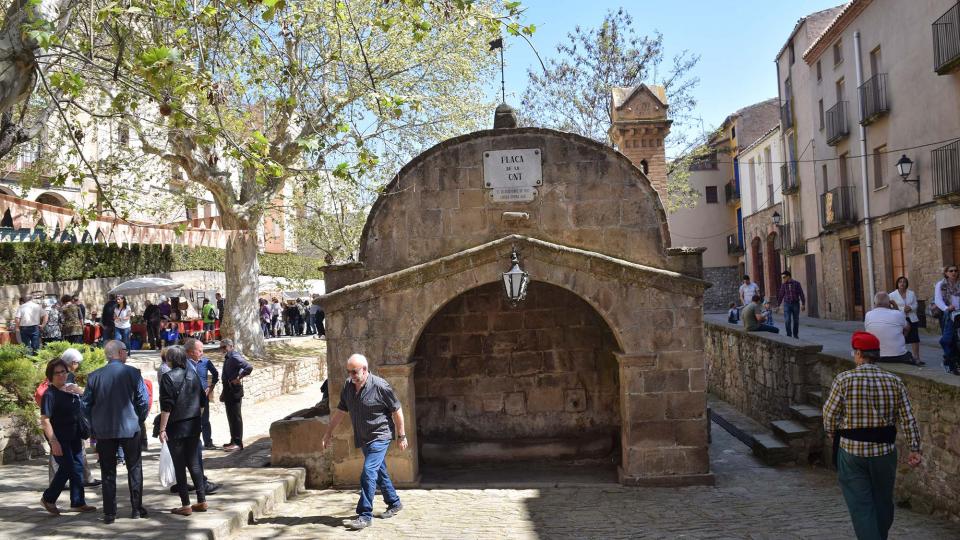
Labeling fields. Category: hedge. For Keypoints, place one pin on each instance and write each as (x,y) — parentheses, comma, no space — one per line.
(42,261)
(20,374)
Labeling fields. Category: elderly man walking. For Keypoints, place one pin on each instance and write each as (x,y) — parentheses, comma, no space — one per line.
(116,402)
(861,412)
(376,416)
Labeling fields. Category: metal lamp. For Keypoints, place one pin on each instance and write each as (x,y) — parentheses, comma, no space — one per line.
(515,281)
(904,168)
(776,218)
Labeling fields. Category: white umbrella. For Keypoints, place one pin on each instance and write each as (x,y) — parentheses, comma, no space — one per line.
(143,285)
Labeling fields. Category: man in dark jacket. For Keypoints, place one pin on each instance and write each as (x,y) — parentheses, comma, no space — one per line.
(235,368)
(152,317)
(116,402)
(108,328)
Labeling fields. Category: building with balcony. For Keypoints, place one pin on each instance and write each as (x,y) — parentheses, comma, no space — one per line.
(869,70)
(761,183)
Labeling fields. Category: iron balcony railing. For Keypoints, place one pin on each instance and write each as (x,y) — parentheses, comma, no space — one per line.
(838,207)
(733,245)
(837,125)
(789,179)
(731,193)
(946,41)
(792,241)
(786,114)
(873,98)
(945,162)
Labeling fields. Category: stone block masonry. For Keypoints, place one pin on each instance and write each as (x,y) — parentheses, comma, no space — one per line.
(725,285)
(275,378)
(762,375)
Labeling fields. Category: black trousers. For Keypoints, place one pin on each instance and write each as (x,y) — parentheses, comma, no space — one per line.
(186,457)
(235,420)
(107,451)
(153,334)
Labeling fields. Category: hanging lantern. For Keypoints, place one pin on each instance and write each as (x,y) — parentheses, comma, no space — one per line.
(515,281)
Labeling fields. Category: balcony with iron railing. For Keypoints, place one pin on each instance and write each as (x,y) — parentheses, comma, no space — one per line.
(873,98)
(838,207)
(786,114)
(733,245)
(837,125)
(945,165)
(946,41)
(789,179)
(731,193)
(792,241)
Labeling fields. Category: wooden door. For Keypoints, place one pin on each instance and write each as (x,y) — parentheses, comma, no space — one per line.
(854,282)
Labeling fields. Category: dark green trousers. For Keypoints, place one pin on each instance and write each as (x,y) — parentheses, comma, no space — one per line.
(867,485)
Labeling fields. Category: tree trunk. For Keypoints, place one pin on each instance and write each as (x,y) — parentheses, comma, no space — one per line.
(241,322)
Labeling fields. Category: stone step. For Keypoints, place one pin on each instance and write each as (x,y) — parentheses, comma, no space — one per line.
(772,450)
(807,414)
(815,398)
(788,429)
(762,442)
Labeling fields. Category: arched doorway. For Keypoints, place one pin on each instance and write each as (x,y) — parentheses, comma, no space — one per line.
(52,199)
(773,265)
(537,382)
(757,268)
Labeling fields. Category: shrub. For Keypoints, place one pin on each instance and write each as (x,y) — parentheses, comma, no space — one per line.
(19,378)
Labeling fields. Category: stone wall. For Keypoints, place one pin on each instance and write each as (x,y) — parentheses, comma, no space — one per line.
(542,369)
(725,285)
(19,441)
(763,374)
(270,380)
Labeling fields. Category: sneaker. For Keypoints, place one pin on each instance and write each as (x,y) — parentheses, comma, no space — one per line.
(392,511)
(357,524)
(210,488)
(209,446)
(95,483)
(232,448)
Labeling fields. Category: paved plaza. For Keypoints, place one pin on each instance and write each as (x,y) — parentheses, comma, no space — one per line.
(750,500)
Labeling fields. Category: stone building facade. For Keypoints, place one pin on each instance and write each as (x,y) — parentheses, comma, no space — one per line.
(603,359)
(871,65)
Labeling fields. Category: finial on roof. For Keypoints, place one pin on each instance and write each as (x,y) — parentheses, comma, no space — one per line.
(504,117)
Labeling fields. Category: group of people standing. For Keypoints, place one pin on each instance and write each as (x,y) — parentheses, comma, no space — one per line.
(299,317)
(113,408)
(759,318)
(58,321)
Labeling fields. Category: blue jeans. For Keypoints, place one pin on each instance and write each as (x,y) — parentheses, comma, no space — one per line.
(123,334)
(205,429)
(766,328)
(69,468)
(791,318)
(30,336)
(375,476)
(948,341)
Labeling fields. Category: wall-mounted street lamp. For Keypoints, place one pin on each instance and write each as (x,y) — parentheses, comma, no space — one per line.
(515,281)
(777,218)
(904,168)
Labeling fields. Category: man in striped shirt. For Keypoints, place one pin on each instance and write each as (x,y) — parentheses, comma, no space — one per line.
(863,408)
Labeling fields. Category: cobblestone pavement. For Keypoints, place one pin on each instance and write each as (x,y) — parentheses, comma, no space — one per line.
(241,475)
(750,500)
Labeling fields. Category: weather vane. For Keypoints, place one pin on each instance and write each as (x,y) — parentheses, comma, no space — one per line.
(498,44)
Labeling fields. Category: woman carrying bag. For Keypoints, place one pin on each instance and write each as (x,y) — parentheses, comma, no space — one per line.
(61,416)
(180,393)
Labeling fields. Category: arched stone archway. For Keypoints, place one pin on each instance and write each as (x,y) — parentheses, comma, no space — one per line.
(496,382)
(51,198)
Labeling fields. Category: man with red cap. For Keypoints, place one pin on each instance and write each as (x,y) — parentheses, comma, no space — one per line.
(862,411)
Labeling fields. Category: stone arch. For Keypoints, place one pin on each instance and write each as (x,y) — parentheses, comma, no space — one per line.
(535,380)
(52,198)
(4,190)
(773,263)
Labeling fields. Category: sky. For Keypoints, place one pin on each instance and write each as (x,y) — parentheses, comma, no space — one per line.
(737,42)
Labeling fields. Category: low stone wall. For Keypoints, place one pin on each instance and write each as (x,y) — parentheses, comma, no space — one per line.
(270,380)
(19,440)
(762,374)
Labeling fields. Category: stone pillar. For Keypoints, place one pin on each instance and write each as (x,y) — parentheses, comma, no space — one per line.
(404,465)
(663,420)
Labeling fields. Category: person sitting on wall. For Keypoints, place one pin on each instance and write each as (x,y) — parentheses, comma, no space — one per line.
(733,316)
(891,327)
(753,319)
(767,313)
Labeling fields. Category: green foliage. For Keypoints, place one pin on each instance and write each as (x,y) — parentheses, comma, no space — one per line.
(18,378)
(37,262)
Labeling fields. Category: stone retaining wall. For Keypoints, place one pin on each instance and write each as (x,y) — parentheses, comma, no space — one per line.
(272,380)
(19,441)
(762,374)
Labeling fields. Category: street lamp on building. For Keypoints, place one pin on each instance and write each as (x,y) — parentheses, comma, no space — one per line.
(776,218)
(515,281)
(904,168)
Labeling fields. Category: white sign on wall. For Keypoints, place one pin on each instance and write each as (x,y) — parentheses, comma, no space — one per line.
(519,168)
(514,194)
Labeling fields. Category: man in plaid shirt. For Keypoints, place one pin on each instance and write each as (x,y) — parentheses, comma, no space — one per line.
(790,296)
(862,410)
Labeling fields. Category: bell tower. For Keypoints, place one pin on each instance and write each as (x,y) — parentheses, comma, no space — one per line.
(639,127)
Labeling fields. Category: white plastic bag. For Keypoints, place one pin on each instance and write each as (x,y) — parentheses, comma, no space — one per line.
(168,475)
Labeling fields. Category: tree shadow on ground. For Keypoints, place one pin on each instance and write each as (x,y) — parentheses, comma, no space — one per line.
(333,522)
(255,454)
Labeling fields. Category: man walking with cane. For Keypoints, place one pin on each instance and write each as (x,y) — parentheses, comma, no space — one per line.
(861,412)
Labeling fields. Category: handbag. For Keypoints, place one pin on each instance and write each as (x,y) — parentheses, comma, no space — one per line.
(83,423)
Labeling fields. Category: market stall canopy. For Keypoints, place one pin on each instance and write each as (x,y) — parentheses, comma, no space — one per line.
(144,285)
